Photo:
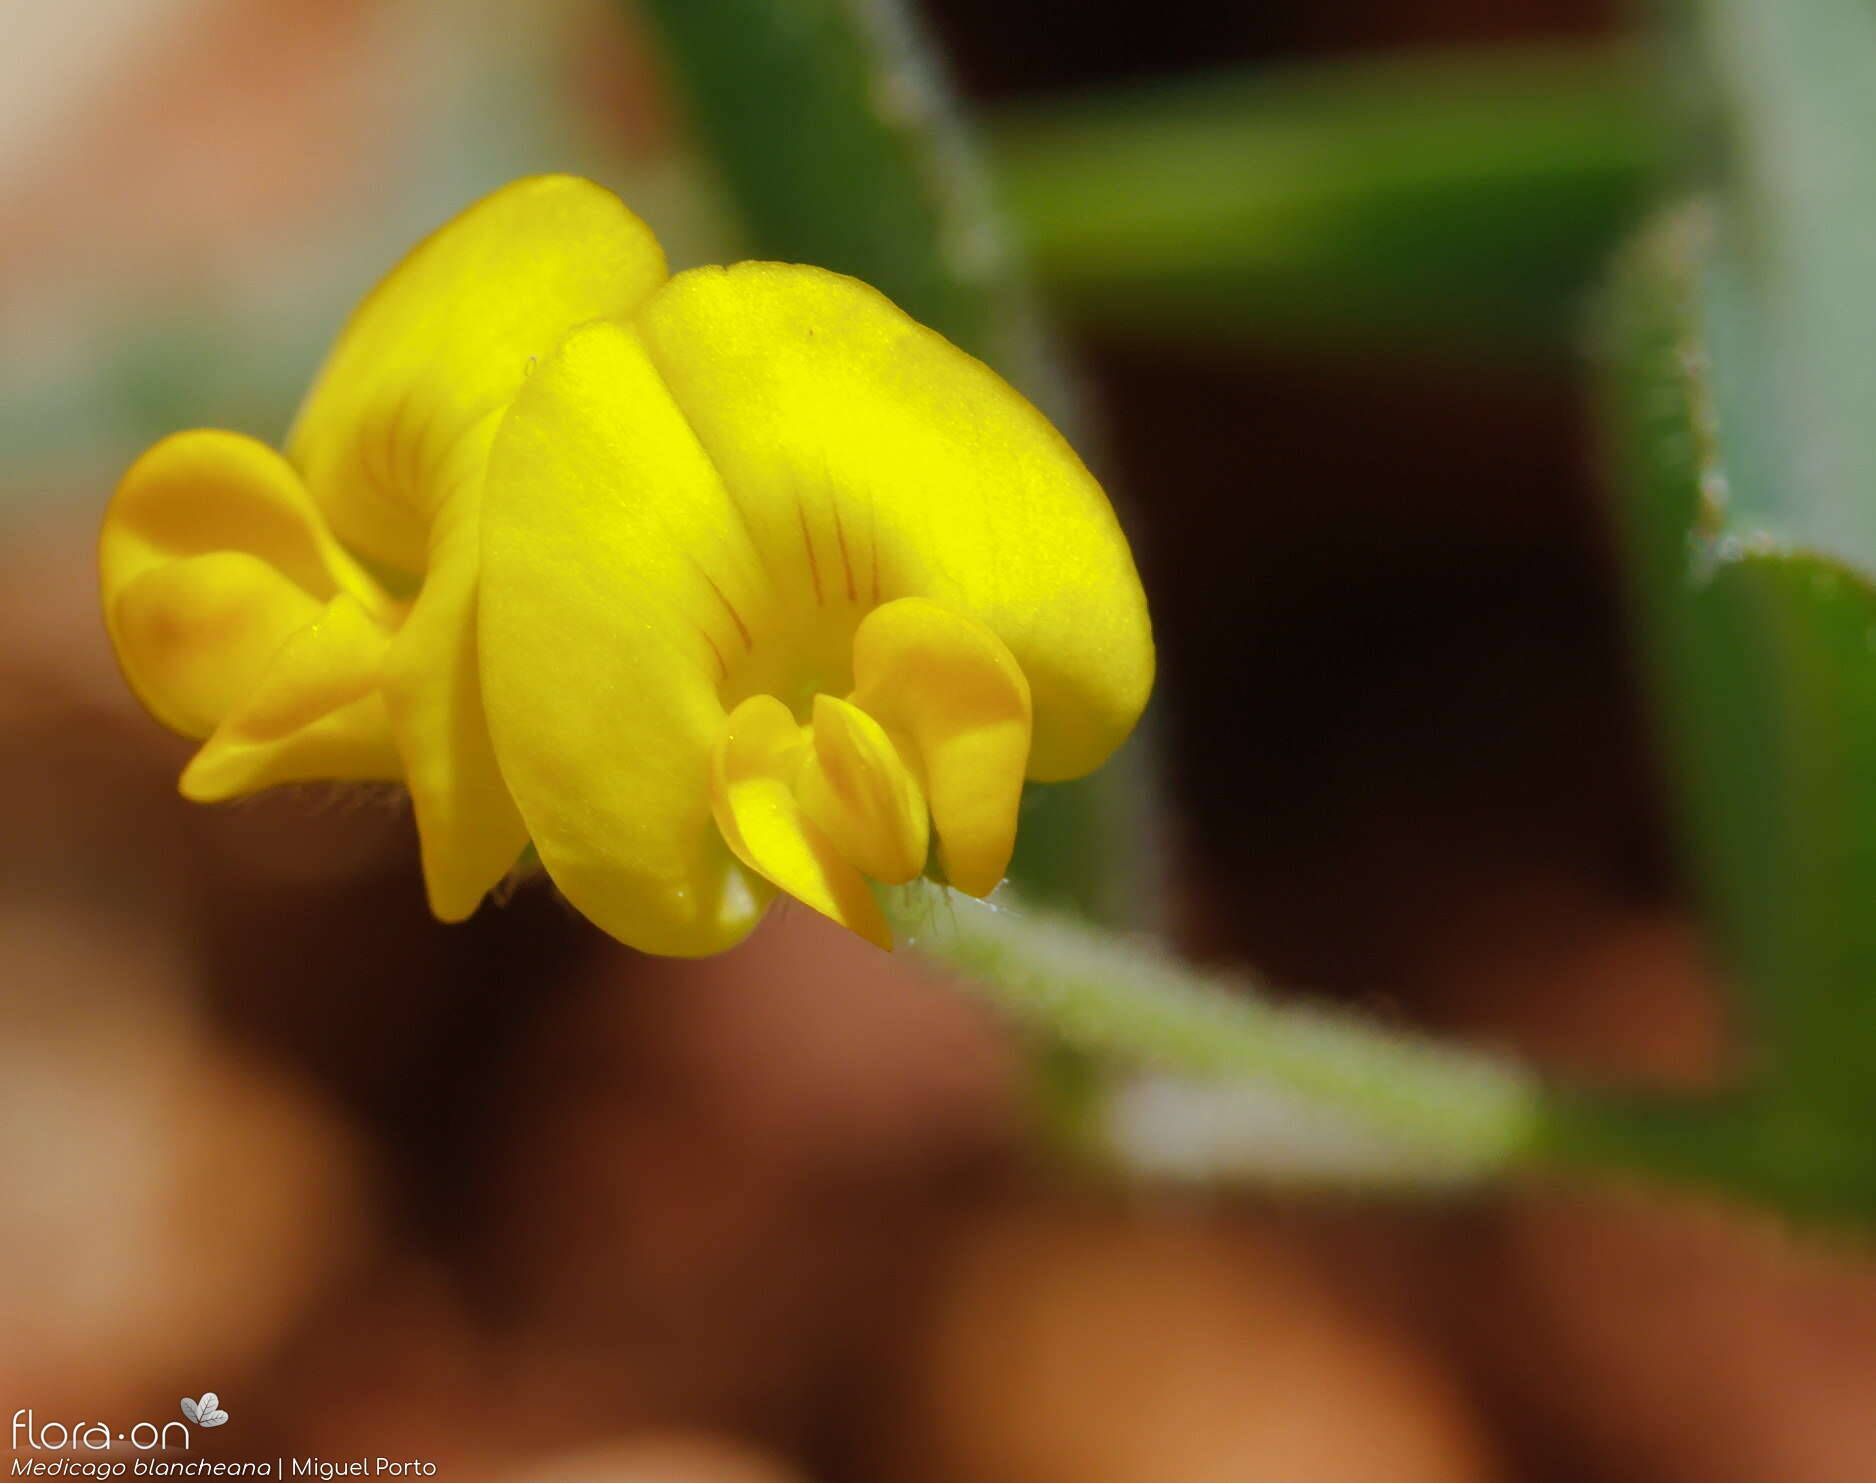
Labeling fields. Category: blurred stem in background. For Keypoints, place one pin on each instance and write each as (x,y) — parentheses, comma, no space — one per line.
(1448,202)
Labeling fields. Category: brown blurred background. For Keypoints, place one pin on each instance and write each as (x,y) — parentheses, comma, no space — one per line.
(517,1201)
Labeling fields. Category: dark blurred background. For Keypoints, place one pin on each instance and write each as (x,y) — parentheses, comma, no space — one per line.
(515,1200)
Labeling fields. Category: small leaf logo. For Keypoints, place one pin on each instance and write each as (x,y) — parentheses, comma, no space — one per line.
(205,1412)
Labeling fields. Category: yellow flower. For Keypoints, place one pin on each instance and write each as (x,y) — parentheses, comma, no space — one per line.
(313,616)
(708,585)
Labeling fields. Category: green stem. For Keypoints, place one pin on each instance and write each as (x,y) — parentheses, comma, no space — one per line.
(1229,1086)
(1370,1102)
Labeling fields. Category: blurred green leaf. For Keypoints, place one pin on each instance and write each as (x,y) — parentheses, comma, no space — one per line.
(1762,661)
(1742,401)
(1465,197)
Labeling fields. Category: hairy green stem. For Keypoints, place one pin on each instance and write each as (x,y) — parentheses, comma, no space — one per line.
(1227,1086)
(1262,1087)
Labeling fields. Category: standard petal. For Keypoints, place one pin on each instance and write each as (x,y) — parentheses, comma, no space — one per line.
(875,461)
(448,337)
(618,586)
(752,790)
(951,687)
(859,791)
(468,827)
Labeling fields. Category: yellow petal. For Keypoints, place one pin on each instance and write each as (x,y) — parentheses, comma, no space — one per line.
(196,636)
(209,490)
(873,460)
(617,584)
(953,688)
(470,831)
(448,337)
(211,555)
(315,714)
(753,796)
(859,791)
